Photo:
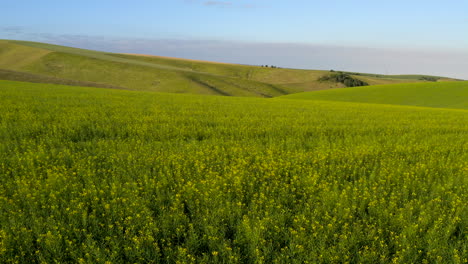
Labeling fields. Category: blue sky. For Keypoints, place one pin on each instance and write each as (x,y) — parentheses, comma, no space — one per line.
(415,28)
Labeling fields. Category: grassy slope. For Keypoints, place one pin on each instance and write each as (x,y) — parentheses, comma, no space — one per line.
(303,80)
(13,56)
(36,78)
(401,76)
(99,67)
(152,73)
(433,94)
(267,75)
(93,175)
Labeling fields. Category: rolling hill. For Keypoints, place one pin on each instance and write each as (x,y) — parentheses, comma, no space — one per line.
(41,62)
(435,94)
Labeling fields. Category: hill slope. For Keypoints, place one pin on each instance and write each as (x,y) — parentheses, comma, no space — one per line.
(161,74)
(113,69)
(435,94)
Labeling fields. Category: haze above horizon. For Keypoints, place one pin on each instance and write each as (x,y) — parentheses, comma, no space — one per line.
(394,37)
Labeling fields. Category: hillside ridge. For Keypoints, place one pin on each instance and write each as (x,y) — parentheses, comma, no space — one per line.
(142,72)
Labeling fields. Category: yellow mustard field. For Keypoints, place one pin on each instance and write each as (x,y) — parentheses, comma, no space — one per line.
(90,175)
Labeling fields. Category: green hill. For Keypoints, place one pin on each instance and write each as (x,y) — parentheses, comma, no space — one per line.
(52,63)
(112,69)
(36,78)
(431,94)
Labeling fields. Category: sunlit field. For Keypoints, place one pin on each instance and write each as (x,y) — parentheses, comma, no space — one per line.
(93,175)
(435,94)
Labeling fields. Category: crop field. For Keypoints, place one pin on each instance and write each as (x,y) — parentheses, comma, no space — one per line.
(92,175)
(437,94)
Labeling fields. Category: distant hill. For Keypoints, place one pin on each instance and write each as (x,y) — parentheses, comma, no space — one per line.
(435,94)
(41,62)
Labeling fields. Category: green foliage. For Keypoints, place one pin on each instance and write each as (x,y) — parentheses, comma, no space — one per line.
(112,176)
(343,78)
(440,94)
(429,78)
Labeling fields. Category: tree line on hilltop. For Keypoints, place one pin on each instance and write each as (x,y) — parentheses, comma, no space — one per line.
(343,78)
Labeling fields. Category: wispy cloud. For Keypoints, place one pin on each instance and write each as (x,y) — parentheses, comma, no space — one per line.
(218,3)
(11,30)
